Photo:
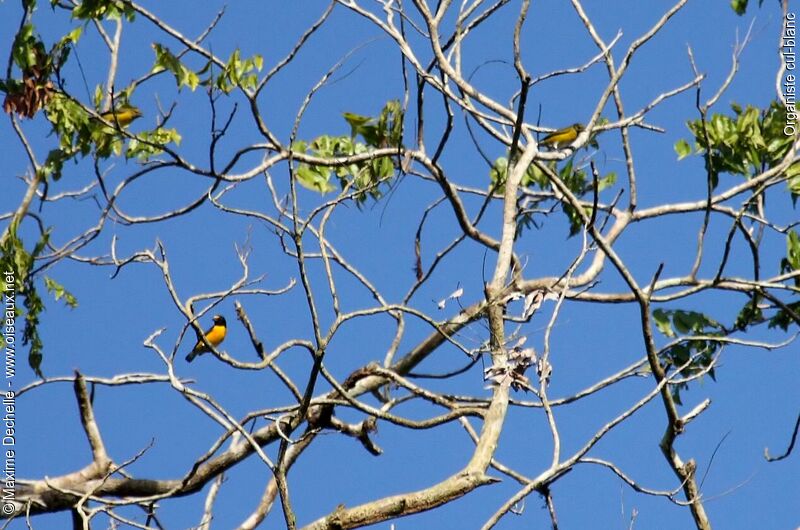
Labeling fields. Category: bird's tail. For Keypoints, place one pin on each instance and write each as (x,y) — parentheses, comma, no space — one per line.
(191,356)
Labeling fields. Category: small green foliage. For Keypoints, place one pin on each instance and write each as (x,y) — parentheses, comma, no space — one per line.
(239,72)
(100,9)
(59,53)
(661,318)
(27,48)
(577,180)
(607,181)
(15,258)
(385,131)
(692,356)
(31,56)
(29,93)
(749,314)
(54,164)
(71,123)
(315,178)
(683,149)
(793,172)
(356,121)
(366,133)
(745,143)
(97,98)
(58,291)
(499,171)
(783,318)
(79,133)
(740,6)
(574,218)
(786,316)
(166,60)
(791,262)
(150,143)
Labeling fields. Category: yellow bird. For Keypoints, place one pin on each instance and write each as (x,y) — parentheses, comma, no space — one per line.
(215,335)
(122,116)
(562,137)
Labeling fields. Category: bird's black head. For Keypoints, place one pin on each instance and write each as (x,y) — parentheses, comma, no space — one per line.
(578,127)
(219,320)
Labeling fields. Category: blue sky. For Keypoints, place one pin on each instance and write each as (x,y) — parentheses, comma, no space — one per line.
(753,400)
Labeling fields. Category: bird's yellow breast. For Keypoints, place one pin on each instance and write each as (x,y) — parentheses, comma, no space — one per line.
(216,335)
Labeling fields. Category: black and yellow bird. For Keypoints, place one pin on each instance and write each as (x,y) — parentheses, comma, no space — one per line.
(215,335)
(122,116)
(562,137)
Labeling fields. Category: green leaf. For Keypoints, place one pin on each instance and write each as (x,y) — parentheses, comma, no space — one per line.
(60,292)
(54,164)
(166,60)
(574,217)
(356,122)
(792,251)
(74,35)
(783,318)
(100,9)
(151,143)
(683,149)
(684,322)
(385,131)
(27,48)
(16,259)
(607,181)
(676,392)
(691,355)
(749,314)
(363,177)
(687,322)
(97,98)
(740,6)
(499,171)
(239,72)
(744,143)
(315,179)
(661,318)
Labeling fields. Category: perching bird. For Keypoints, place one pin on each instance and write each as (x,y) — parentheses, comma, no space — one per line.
(562,137)
(122,115)
(215,335)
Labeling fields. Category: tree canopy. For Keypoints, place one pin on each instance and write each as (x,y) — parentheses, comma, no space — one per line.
(479,264)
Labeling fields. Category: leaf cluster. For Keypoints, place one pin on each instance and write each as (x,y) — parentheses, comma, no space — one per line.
(101,9)
(740,6)
(691,355)
(577,179)
(366,133)
(79,133)
(787,314)
(745,143)
(14,258)
(27,94)
(238,72)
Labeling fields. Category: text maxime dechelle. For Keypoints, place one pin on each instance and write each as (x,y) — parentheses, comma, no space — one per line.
(8,482)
